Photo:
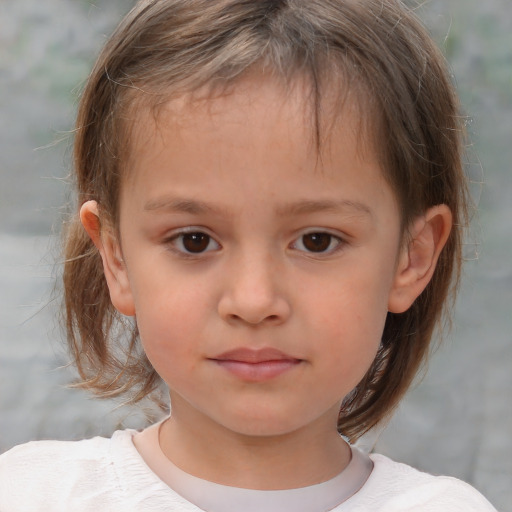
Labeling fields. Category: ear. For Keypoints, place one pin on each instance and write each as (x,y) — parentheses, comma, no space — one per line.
(418,258)
(113,265)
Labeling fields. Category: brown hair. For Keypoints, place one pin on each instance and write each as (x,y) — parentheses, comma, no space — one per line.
(376,48)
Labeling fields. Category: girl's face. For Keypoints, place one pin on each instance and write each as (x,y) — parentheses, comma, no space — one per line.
(260,273)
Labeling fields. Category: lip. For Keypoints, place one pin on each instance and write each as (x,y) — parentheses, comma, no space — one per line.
(256,365)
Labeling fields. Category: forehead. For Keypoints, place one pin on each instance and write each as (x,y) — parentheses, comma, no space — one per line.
(317,109)
(257,138)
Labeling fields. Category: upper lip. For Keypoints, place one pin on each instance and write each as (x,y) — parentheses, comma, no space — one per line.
(254,356)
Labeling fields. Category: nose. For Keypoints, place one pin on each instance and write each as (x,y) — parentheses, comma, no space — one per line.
(254,292)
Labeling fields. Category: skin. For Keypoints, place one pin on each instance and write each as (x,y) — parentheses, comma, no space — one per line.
(290,253)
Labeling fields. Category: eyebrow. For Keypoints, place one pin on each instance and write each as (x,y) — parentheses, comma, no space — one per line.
(307,206)
(302,207)
(176,204)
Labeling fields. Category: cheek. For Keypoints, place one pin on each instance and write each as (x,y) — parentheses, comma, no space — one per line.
(352,340)
(356,302)
(170,297)
(350,317)
(170,320)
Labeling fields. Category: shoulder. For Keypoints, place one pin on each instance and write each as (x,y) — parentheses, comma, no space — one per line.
(59,451)
(54,457)
(50,471)
(397,487)
(83,476)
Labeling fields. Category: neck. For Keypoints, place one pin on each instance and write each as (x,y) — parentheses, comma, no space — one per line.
(292,460)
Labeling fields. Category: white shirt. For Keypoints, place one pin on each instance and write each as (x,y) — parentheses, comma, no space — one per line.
(110,475)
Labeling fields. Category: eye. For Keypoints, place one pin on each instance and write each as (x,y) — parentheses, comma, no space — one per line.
(194,242)
(317,242)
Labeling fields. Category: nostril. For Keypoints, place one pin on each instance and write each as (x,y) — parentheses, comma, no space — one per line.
(252,308)
(256,321)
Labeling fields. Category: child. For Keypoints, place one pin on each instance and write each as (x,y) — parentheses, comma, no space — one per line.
(270,207)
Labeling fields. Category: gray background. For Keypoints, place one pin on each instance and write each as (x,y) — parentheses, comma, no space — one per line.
(457,421)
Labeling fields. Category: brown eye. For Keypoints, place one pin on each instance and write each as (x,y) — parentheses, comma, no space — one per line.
(317,242)
(194,243)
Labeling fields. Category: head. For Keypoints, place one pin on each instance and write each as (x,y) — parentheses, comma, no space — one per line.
(407,117)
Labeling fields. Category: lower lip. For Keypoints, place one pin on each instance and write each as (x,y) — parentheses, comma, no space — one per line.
(258,372)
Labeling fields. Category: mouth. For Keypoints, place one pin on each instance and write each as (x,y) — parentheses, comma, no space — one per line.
(260,365)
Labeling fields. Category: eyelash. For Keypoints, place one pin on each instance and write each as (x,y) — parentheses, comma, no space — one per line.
(334,242)
(177,241)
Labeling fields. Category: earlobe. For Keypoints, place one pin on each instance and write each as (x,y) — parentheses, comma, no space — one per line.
(418,259)
(113,265)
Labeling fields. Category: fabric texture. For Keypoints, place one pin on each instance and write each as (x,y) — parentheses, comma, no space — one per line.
(102,474)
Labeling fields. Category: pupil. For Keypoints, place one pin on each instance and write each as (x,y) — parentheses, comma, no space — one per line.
(196,242)
(317,242)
